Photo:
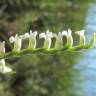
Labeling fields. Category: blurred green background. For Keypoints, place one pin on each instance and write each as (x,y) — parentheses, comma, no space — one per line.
(42,75)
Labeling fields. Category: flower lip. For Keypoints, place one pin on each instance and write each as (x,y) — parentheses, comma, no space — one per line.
(42,35)
(48,34)
(81,32)
(33,33)
(17,40)
(13,39)
(26,35)
(4,69)
(64,33)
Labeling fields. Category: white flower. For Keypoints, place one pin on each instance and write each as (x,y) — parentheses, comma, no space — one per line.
(17,42)
(2,48)
(25,36)
(68,34)
(92,40)
(82,37)
(32,40)
(47,36)
(2,62)
(3,68)
(59,40)
(64,33)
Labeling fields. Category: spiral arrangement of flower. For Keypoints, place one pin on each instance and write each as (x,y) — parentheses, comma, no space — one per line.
(46,48)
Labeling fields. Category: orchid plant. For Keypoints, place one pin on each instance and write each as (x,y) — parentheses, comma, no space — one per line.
(46,48)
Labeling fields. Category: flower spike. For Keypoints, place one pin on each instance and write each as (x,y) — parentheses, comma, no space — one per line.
(17,40)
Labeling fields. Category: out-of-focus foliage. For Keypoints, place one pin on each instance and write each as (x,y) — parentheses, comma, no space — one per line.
(41,75)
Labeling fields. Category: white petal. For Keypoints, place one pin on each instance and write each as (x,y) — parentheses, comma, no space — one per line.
(42,35)
(12,39)
(35,33)
(80,33)
(26,35)
(2,48)
(16,36)
(69,32)
(3,44)
(54,35)
(5,69)
(17,45)
(64,33)
(20,37)
(59,33)
(30,31)
(2,62)
(47,32)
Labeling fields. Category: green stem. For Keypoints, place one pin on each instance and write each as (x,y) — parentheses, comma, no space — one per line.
(25,52)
